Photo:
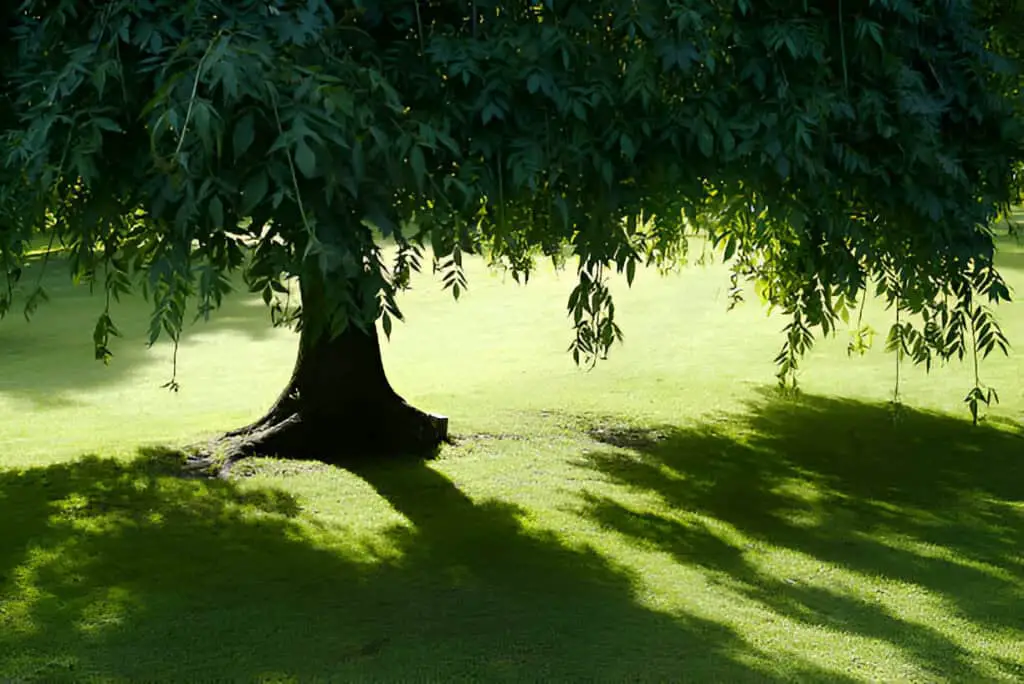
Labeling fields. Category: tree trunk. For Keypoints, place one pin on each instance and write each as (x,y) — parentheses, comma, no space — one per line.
(338,407)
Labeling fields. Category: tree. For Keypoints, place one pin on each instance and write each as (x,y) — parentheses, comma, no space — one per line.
(825,147)
(1005,19)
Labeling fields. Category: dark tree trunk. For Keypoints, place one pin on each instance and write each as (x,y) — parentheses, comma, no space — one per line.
(338,407)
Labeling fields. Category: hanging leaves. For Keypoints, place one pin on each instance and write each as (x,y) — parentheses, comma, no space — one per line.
(823,154)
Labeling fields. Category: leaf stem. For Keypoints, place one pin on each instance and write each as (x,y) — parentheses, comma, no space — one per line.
(291,169)
(195,91)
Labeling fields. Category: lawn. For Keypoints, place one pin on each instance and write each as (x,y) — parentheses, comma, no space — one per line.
(665,516)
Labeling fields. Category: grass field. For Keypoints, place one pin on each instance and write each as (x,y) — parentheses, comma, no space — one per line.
(663,517)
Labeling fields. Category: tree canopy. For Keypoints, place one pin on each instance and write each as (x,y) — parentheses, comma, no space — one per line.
(831,150)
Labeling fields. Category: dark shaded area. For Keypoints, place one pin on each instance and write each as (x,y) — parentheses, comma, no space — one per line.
(219,580)
(928,480)
(43,359)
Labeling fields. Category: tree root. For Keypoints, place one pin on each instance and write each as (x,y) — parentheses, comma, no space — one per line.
(285,406)
(399,431)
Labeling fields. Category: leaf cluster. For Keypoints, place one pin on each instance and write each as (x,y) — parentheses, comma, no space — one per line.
(829,149)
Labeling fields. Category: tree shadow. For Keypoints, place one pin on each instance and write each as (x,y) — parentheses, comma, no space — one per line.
(122,570)
(45,360)
(926,500)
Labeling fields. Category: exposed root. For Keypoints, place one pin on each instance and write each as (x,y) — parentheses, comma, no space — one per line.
(399,431)
(284,406)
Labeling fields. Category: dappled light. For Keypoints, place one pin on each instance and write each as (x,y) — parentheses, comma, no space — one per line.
(813,539)
(121,570)
(224,456)
(905,528)
(897,538)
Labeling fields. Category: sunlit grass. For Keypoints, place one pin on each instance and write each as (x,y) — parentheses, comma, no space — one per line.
(662,517)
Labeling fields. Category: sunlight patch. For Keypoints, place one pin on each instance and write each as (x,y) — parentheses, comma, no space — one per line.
(800,490)
(931,551)
(806,511)
(106,612)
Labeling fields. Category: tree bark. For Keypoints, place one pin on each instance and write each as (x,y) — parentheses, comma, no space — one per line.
(338,407)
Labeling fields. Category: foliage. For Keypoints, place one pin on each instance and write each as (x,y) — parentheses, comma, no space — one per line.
(826,155)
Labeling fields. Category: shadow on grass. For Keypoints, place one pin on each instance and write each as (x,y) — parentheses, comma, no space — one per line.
(121,570)
(45,359)
(927,501)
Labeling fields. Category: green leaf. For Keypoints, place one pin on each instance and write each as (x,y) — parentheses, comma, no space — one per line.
(419,166)
(782,166)
(730,248)
(728,140)
(305,159)
(107,124)
(627,146)
(706,141)
(243,135)
(216,209)
(381,221)
(491,111)
(201,121)
(255,191)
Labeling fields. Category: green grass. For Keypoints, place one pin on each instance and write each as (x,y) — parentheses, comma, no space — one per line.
(662,517)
